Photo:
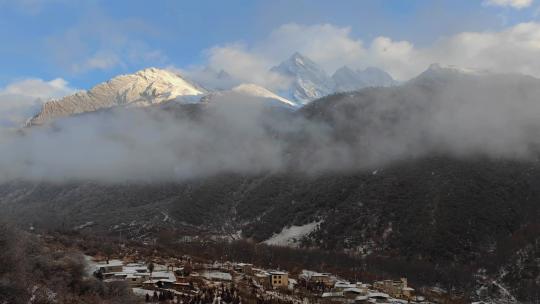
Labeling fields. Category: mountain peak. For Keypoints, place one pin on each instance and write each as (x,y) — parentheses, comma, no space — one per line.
(438,73)
(152,71)
(157,74)
(347,79)
(142,88)
(297,55)
(441,68)
(308,80)
(441,72)
(345,69)
(301,61)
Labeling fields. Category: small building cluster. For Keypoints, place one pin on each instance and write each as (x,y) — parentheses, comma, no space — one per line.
(182,281)
(333,289)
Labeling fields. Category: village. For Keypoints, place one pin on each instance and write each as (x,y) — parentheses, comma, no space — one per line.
(182,280)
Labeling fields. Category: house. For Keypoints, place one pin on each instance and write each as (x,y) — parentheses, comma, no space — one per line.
(135,280)
(262,279)
(279,279)
(166,275)
(378,297)
(396,289)
(321,278)
(361,300)
(316,277)
(364,287)
(342,285)
(407,292)
(111,267)
(244,268)
(352,293)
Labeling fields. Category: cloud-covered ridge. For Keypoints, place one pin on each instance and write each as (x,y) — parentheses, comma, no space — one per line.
(443,111)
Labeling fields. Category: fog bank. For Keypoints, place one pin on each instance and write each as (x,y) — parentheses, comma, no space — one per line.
(460,116)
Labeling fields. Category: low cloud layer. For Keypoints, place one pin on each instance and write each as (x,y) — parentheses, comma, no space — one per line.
(99,42)
(143,145)
(462,116)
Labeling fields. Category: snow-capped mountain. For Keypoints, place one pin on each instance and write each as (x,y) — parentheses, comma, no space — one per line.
(143,88)
(252,91)
(308,80)
(347,79)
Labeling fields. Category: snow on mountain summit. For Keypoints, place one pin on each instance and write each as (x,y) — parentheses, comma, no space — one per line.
(143,88)
(167,83)
(308,80)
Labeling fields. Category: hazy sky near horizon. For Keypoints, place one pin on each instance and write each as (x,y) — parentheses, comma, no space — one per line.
(81,43)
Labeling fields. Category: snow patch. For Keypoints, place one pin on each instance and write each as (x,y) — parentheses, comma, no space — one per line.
(291,236)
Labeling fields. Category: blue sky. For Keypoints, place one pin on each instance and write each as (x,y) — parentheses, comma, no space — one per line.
(86,42)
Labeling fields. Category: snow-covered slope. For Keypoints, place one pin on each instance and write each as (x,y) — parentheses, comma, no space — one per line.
(145,87)
(253,91)
(347,79)
(258,91)
(293,235)
(308,80)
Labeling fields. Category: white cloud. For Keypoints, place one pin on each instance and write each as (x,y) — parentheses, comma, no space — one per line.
(328,45)
(21,99)
(38,88)
(244,65)
(518,4)
(512,50)
(98,42)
